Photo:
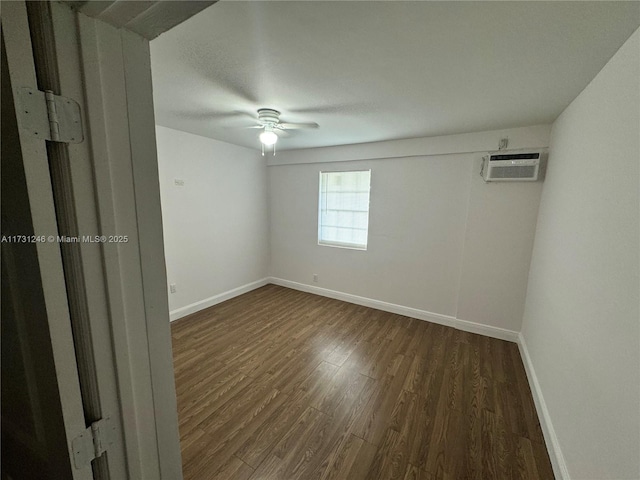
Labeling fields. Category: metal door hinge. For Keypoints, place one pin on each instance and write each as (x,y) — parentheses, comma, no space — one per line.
(93,442)
(48,116)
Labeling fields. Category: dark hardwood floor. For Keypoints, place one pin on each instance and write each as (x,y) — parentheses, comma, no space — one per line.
(279,384)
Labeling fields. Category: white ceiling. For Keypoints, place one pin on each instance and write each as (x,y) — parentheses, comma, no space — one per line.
(372,71)
(147,18)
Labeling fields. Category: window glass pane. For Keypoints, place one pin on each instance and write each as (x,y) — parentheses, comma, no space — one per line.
(343,213)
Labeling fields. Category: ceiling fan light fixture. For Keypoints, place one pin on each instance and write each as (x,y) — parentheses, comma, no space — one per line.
(268,138)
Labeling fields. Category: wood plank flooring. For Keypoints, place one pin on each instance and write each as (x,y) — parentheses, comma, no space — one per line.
(278,384)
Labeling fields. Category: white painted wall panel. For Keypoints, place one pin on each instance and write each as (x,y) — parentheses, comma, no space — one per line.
(582,321)
(440,239)
(215,226)
(498,240)
(416,229)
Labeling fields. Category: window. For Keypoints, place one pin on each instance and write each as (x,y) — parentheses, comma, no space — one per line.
(343,213)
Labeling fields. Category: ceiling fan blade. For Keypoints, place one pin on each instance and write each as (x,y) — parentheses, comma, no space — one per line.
(212,116)
(342,108)
(297,126)
(242,88)
(282,133)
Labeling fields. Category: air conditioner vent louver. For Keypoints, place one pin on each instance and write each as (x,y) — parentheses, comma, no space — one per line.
(515,156)
(513,172)
(520,166)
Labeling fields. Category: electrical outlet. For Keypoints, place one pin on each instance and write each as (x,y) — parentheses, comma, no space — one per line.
(172,288)
(315,277)
(178,182)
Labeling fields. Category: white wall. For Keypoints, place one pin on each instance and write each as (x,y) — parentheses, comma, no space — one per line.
(499,235)
(216,225)
(582,321)
(440,239)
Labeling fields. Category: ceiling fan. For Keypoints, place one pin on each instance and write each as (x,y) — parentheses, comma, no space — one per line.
(269,122)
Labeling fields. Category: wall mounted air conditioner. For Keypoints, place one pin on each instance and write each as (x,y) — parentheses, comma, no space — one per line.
(511,166)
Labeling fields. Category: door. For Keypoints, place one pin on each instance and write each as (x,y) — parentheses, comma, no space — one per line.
(42,409)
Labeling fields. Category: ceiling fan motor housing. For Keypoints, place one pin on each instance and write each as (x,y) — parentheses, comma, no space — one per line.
(268,116)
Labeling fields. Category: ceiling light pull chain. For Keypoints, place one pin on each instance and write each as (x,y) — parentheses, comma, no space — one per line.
(262,148)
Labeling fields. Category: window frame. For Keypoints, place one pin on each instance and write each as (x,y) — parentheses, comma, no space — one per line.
(348,246)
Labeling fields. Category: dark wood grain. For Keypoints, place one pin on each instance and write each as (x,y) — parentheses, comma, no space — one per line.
(279,384)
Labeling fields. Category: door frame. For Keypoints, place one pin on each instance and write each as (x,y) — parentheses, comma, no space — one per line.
(109,71)
(110,188)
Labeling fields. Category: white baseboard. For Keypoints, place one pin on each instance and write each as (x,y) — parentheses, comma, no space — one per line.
(553,446)
(221,297)
(487,330)
(447,320)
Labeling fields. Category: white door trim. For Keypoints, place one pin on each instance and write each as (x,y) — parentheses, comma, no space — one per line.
(125,196)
